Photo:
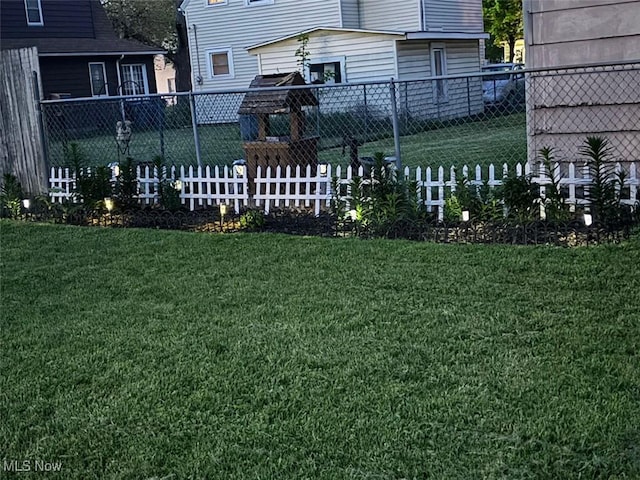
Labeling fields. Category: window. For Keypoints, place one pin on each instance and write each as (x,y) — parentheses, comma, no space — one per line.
(327,71)
(98,79)
(438,69)
(134,80)
(216,2)
(220,63)
(34,12)
(250,3)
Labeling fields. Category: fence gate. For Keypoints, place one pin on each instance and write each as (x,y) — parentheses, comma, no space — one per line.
(21,141)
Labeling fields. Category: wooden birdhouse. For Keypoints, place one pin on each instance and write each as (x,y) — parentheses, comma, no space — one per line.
(278,98)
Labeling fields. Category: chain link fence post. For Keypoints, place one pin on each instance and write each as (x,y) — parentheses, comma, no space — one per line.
(194,126)
(395,123)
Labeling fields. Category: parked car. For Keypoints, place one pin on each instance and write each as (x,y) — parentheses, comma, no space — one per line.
(504,86)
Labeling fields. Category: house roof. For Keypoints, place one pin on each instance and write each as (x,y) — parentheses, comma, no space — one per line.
(328,29)
(276,100)
(422,35)
(105,41)
(441,35)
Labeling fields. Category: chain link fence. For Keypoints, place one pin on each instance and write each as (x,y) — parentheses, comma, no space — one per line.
(495,117)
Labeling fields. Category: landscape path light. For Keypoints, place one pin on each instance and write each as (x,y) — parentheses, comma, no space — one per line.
(587,217)
(238,167)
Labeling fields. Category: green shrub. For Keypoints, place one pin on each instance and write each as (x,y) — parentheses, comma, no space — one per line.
(167,190)
(604,193)
(92,186)
(556,209)
(521,198)
(385,205)
(126,187)
(252,220)
(483,202)
(11,195)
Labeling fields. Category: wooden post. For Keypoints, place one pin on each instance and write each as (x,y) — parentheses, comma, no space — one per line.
(263,126)
(22,151)
(297,126)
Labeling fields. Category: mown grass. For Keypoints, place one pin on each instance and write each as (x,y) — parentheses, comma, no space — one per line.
(495,140)
(154,354)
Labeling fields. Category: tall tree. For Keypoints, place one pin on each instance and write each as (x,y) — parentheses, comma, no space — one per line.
(503,20)
(157,23)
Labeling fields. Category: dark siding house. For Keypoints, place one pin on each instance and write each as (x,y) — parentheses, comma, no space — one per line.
(78,51)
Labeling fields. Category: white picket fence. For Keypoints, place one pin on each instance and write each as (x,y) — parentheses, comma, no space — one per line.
(302,187)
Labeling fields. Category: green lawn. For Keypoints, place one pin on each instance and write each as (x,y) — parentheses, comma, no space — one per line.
(155,354)
(494,140)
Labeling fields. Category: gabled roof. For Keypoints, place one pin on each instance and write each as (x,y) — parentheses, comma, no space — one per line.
(276,101)
(105,41)
(328,29)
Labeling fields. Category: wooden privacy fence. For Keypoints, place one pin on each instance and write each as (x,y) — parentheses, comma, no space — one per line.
(21,142)
(297,187)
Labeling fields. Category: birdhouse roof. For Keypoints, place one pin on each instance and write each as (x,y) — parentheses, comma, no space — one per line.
(278,98)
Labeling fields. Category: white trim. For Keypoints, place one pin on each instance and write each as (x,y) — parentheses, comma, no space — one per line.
(104,76)
(396,62)
(323,29)
(257,3)
(145,81)
(342,60)
(259,64)
(26,11)
(215,50)
(440,47)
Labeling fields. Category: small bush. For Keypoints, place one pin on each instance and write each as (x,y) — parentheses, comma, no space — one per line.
(384,205)
(556,209)
(252,220)
(481,201)
(604,193)
(126,187)
(521,198)
(11,195)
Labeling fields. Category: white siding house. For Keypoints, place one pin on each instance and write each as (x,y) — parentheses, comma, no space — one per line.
(226,37)
(223,29)
(349,41)
(563,110)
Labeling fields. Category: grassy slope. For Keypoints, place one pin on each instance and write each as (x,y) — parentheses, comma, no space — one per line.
(133,354)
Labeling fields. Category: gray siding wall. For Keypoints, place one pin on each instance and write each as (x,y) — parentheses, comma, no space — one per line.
(453,15)
(414,61)
(350,14)
(366,56)
(563,110)
(582,31)
(237,26)
(417,99)
(403,15)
